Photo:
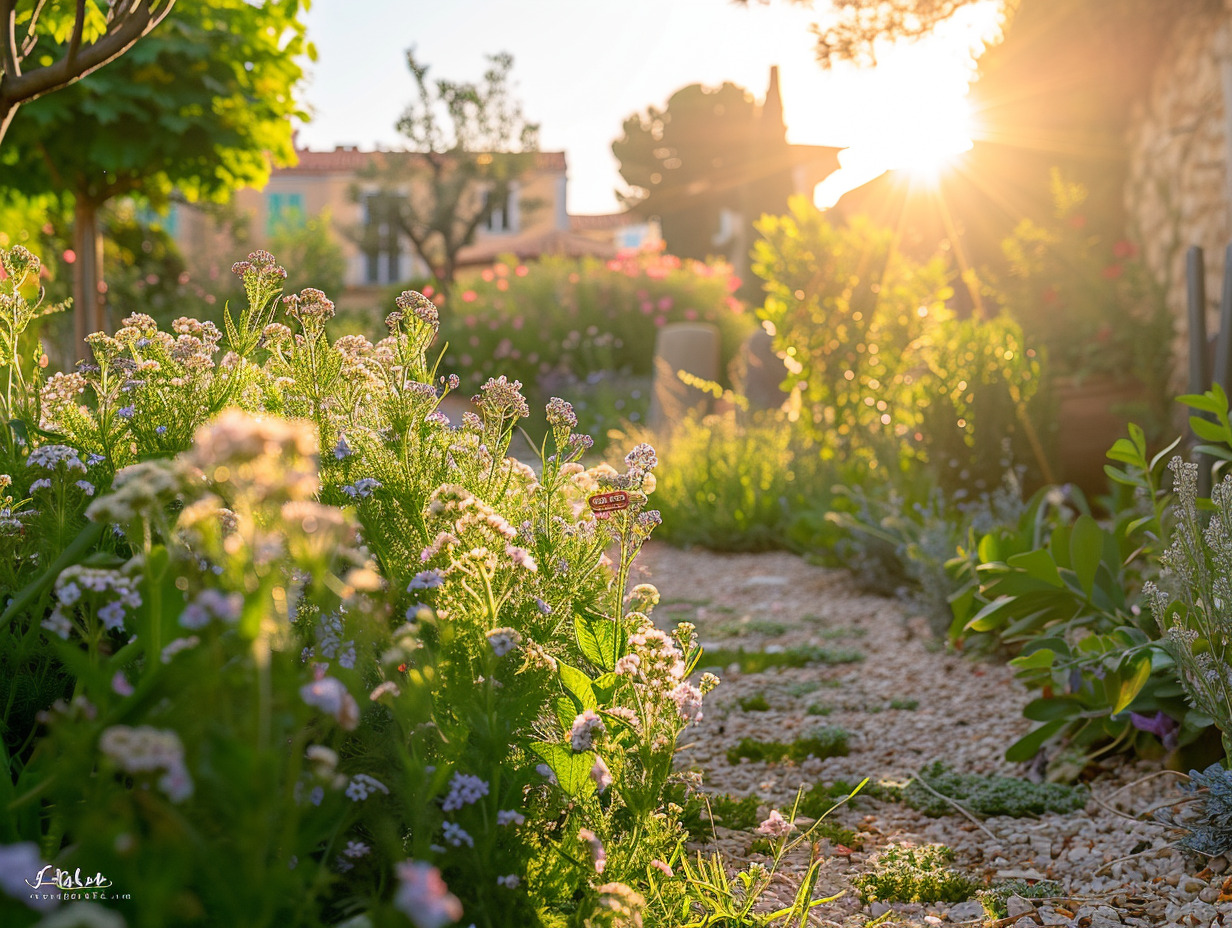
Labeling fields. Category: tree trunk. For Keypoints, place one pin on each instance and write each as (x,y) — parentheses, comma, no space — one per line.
(88,315)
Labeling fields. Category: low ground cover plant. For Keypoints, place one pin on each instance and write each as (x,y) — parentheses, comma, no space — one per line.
(901,873)
(282,644)
(990,795)
(994,898)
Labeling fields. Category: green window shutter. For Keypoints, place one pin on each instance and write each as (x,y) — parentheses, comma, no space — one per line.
(274,206)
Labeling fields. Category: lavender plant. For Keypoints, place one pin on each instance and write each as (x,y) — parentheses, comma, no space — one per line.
(1190,600)
(306,650)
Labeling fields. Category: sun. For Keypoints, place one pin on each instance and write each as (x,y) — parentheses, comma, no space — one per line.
(916,115)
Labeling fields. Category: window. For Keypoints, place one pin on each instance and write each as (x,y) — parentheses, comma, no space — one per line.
(283,209)
(381,239)
(504,215)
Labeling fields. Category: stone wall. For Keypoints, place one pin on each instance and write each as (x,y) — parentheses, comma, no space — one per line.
(1177,194)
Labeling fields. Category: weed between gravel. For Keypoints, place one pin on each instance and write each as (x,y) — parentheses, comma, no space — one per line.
(758,661)
(824,741)
(754,703)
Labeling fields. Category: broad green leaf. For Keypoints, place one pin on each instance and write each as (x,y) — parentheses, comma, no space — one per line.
(1049,709)
(1123,450)
(598,640)
(989,617)
(1039,564)
(572,770)
(1086,549)
(1132,685)
(1207,430)
(989,549)
(1036,660)
(577,685)
(1026,747)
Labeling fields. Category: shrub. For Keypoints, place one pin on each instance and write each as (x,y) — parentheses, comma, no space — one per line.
(279,641)
(913,874)
(991,795)
(558,322)
(731,484)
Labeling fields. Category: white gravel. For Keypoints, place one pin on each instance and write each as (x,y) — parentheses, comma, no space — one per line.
(968,713)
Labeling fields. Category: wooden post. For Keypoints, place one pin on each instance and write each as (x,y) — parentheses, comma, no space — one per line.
(1199,375)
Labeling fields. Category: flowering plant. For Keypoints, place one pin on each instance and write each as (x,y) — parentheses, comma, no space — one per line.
(297,648)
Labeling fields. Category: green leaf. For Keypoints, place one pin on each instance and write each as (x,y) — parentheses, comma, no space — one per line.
(1123,450)
(988,618)
(1207,430)
(1086,549)
(577,685)
(1132,685)
(1026,747)
(572,770)
(989,550)
(1039,564)
(1036,660)
(1049,709)
(598,640)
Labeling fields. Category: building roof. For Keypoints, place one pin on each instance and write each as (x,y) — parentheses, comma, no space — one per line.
(346,159)
(535,245)
(603,222)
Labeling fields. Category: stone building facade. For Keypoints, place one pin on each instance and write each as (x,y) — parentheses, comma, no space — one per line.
(1179,188)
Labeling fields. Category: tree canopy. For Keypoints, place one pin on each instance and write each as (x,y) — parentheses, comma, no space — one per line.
(468,145)
(695,158)
(87,36)
(200,110)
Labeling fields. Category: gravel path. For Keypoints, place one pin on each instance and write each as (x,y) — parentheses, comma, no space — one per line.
(967,714)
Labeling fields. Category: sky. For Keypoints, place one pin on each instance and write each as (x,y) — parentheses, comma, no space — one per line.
(581,67)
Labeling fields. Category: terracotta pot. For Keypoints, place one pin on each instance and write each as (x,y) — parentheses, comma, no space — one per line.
(1092,413)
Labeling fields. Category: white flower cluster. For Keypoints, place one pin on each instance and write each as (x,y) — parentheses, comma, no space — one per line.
(586,727)
(146,750)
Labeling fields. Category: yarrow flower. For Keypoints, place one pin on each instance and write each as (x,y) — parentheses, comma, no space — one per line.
(464,790)
(560,415)
(147,750)
(502,398)
(598,856)
(775,826)
(601,774)
(423,897)
(688,700)
(585,728)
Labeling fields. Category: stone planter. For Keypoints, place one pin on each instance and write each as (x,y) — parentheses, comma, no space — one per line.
(1092,413)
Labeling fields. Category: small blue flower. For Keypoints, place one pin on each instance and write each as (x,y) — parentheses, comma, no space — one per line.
(127,412)
(161,430)
(425,580)
(342,450)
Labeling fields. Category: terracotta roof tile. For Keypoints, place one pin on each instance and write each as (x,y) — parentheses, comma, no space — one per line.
(349,159)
